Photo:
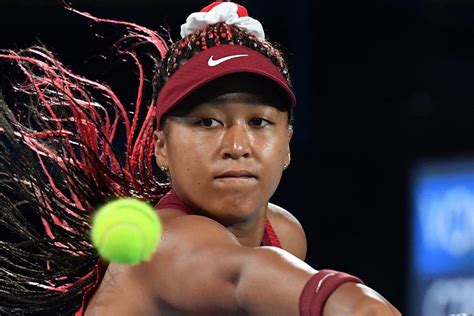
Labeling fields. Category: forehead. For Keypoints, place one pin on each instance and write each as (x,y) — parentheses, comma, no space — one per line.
(233,104)
(240,88)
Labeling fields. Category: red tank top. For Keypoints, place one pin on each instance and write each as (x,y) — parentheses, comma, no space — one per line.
(172,200)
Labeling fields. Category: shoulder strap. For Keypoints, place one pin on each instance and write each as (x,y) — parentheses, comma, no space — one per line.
(270,238)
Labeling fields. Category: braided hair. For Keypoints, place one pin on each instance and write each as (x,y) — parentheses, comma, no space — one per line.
(68,144)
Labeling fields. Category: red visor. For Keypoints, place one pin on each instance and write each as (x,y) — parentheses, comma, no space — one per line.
(213,63)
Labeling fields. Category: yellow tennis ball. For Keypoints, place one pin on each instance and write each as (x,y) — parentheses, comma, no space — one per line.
(126,231)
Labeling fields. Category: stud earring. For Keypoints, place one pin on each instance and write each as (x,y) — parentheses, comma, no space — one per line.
(164,168)
(285,166)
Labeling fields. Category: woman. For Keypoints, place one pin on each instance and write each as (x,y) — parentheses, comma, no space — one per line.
(223,118)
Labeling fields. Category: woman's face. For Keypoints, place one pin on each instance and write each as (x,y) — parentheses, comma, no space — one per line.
(226,155)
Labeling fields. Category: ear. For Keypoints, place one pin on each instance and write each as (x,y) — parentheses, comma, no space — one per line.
(290,132)
(161,148)
(288,156)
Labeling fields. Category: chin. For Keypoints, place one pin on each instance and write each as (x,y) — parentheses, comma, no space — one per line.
(233,210)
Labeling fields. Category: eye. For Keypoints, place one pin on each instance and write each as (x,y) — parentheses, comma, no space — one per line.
(259,122)
(208,122)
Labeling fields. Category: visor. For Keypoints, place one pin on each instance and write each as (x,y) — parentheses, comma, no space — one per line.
(213,63)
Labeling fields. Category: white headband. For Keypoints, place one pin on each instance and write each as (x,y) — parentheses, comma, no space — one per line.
(226,12)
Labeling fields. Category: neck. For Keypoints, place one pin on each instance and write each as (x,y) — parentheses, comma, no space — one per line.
(250,232)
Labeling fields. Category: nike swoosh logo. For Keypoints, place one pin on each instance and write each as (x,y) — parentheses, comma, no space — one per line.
(214,62)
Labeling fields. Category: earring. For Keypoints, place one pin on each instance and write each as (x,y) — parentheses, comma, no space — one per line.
(164,168)
(285,166)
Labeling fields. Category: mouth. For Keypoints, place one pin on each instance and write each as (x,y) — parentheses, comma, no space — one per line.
(236,174)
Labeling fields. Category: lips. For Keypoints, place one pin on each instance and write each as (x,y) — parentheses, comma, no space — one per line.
(238,174)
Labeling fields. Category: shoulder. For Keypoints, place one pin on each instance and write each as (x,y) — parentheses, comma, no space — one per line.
(194,229)
(289,230)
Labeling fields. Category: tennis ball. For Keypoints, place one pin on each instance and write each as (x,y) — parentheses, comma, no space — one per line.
(126,231)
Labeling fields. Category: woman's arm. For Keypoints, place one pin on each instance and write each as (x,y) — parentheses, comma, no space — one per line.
(201,267)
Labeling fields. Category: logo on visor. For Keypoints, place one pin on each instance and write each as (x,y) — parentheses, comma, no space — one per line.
(214,62)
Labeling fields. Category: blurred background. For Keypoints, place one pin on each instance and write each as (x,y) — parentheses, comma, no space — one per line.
(382,173)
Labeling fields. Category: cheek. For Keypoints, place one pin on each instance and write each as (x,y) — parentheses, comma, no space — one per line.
(187,158)
(272,150)
(272,153)
(272,157)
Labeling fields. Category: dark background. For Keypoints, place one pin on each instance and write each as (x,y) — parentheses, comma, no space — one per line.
(381,86)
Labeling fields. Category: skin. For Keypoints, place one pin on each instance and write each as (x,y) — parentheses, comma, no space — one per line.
(211,263)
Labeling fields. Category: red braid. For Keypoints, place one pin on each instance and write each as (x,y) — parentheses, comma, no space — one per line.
(65,128)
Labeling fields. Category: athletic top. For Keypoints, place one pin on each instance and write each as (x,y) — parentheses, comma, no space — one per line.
(172,200)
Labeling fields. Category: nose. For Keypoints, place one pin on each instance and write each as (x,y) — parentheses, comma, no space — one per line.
(236,143)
